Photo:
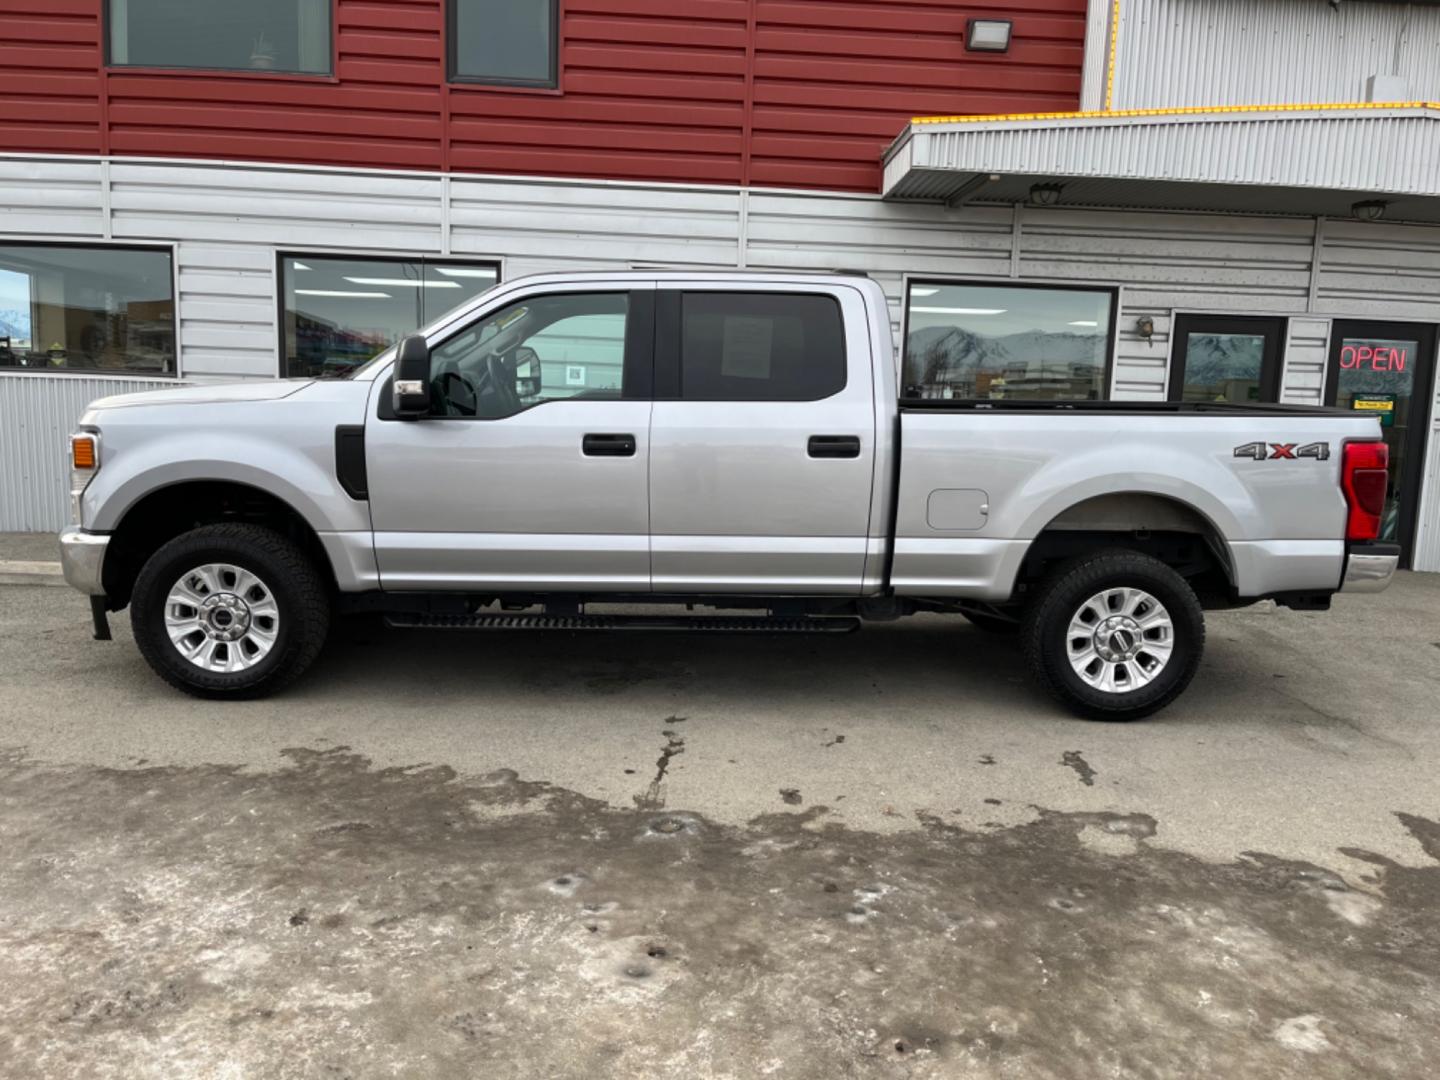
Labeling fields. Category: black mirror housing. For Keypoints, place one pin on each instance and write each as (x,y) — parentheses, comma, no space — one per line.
(410,384)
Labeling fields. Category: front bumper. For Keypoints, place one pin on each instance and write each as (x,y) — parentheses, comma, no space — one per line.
(82,558)
(1369,567)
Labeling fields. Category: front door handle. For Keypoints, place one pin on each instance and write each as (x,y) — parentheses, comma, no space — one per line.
(608,445)
(835,446)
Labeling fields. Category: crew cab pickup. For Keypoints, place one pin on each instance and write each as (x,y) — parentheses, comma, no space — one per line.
(730,450)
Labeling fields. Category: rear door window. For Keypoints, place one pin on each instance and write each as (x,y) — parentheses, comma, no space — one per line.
(760,347)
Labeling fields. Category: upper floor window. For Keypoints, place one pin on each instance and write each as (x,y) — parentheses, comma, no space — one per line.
(70,308)
(1019,342)
(222,35)
(504,42)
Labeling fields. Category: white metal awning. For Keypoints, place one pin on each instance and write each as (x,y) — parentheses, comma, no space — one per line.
(1310,159)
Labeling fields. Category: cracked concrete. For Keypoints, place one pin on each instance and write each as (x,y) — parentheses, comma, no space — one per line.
(654,856)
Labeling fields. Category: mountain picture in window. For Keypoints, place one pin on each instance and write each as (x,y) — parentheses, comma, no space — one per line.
(954,362)
(1223,367)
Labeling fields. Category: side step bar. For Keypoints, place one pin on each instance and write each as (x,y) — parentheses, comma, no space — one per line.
(713,624)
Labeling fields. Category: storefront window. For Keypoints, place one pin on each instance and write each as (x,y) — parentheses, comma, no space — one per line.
(87,309)
(337,313)
(256,35)
(503,41)
(1007,342)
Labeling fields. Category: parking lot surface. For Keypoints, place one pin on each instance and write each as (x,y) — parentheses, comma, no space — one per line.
(641,855)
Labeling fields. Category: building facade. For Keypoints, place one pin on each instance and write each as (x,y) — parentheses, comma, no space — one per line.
(1061,199)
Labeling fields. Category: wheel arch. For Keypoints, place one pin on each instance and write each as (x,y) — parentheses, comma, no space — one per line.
(1170,528)
(170,510)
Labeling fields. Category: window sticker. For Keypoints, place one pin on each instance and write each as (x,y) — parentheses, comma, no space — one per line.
(746,347)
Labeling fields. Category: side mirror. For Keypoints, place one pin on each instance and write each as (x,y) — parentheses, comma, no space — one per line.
(529,382)
(410,384)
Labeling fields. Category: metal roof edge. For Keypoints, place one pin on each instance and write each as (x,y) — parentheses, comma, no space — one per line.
(1192,112)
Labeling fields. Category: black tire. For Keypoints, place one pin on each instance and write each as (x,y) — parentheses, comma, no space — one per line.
(300,596)
(991,624)
(1044,635)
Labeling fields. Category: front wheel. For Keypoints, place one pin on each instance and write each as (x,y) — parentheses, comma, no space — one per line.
(229,611)
(1115,635)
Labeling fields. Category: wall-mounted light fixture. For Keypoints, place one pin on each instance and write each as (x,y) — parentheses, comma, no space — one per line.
(1369,210)
(987,35)
(1045,194)
(1145,327)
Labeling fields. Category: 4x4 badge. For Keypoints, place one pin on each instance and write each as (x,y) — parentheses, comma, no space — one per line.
(1262,451)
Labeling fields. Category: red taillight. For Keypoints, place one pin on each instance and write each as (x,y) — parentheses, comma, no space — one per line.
(1364,476)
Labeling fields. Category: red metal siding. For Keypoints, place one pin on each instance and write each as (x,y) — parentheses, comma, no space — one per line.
(803,93)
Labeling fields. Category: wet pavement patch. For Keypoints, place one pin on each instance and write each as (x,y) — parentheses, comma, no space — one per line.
(1072,759)
(653,797)
(215,921)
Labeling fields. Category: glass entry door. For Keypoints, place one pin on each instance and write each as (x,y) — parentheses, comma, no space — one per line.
(1387,370)
(1233,358)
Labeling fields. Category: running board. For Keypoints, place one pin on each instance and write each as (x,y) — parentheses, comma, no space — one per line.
(712,624)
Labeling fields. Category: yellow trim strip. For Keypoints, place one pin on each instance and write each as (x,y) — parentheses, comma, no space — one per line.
(1110,64)
(1193,110)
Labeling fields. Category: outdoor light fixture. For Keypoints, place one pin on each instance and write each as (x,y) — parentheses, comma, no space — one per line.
(1045,194)
(1145,327)
(987,35)
(1370,210)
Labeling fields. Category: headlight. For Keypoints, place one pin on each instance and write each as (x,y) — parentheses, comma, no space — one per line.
(84,464)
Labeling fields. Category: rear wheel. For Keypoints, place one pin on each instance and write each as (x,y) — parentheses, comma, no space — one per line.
(229,611)
(1115,635)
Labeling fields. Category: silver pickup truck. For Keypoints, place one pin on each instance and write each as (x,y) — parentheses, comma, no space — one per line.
(729,450)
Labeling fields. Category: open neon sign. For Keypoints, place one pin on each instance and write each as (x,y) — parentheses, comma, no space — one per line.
(1383,358)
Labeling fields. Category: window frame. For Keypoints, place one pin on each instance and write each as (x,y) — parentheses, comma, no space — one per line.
(1115,291)
(452,55)
(670,343)
(327,76)
(172,250)
(1274,328)
(281,254)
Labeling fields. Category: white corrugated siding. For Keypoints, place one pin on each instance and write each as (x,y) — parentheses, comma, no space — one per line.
(37,415)
(1305,355)
(541,225)
(1179,53)
(1427,533)
(228,222)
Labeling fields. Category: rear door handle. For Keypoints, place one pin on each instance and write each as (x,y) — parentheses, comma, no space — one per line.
(608,445)
(835,446)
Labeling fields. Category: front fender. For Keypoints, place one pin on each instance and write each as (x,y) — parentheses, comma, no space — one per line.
(284,448)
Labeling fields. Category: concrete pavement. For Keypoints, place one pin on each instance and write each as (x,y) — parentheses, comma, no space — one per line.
(641,855)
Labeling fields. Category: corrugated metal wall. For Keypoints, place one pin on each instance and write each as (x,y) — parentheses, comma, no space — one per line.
(777,92)
(37,415)
(228,222)
(1427,538)
(1175,53)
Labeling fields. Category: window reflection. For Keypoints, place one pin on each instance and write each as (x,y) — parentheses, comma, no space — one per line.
(339,312)
(1223,367)
(256,35)
(65,308)
(1006,342)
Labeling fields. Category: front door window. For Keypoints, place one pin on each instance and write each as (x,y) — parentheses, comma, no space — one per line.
(1384,370)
